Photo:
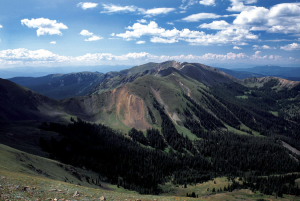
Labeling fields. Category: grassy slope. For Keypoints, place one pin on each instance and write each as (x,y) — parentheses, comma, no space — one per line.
(18,161)
(46,181)
(170,91)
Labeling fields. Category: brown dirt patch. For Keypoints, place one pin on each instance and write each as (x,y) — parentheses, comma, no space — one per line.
(130,108)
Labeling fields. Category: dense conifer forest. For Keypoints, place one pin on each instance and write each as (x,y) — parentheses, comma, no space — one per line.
(141,161)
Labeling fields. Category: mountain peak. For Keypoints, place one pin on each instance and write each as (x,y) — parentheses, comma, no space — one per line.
(167,64)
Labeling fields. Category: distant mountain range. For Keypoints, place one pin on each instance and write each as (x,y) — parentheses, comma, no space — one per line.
(31,71)
(61,86)
(291,73)
(241,74)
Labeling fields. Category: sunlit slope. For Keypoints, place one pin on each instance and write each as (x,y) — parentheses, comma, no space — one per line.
(197,98)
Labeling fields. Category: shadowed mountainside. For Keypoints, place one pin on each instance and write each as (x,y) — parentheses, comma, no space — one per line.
(19,103)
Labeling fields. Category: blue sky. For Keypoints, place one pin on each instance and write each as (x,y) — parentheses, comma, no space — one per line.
(232,33)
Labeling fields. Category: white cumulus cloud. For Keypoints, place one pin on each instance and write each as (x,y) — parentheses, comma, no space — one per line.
(87,5)
(91,36)
(290,47)
(237,48)
(281,18)
(239,5)
(158,11)
(200,16)
(185,4)
(140,42)
(138,30)
(216,25)
(207,2)
(53,42)
(259,56)
(222,57)
(263,47)
(163,40)
(42,57)
(162,35)
(30,56)
(85,32)
(44,26)
(112,8)
(253,16)
(142,21)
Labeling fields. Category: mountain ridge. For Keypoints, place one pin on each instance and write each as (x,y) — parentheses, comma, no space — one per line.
(58,86)
(62,85)
(168,86)
(127,96)
(281,82)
